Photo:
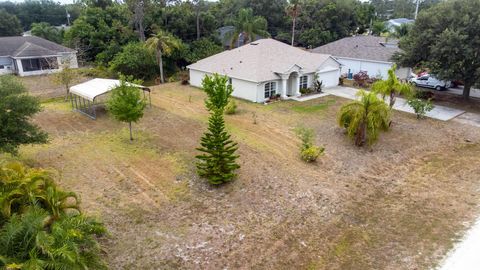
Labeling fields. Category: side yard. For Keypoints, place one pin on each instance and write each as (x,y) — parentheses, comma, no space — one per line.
(398,205)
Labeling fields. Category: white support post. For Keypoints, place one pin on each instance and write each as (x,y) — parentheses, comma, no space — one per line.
(284,85)
(297,85)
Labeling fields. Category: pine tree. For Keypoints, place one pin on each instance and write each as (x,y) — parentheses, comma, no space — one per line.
(217,161)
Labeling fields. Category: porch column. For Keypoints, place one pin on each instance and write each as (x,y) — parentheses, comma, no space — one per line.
(284,85)
(297,85)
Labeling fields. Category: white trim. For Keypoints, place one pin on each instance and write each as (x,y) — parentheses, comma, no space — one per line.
(365,60)
(233,77)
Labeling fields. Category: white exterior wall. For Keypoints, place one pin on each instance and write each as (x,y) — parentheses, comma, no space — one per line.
(241,88)
(372,68)
(329,78)
(7,64)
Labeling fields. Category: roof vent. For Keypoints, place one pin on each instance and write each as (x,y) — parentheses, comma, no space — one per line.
(253,43)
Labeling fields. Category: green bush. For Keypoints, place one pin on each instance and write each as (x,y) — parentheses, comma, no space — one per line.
(305,91)
(308,151)
(420,106)
(135,60)
(97,72)
(41,226)
(311,153)
(231,107)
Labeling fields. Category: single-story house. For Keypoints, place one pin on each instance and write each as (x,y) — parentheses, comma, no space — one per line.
(392,23)
(364,53)
(266,67)
(32,55)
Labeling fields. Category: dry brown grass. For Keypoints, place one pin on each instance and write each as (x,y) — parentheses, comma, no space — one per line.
(397,205)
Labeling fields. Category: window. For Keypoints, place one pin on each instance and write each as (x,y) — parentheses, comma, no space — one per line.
(303,82)
(2,66)
(230,81)
(39,64)
(270,89)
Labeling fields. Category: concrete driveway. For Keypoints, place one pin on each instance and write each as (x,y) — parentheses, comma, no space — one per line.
(439,112)
(465,255)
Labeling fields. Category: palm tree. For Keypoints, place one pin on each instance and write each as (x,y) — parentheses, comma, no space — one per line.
(248,26)
(364,118)
(293,10)
(21,188)
(391,87)
(163,43)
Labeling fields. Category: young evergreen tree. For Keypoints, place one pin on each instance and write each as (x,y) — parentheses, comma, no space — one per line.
(217,161)
(126,104)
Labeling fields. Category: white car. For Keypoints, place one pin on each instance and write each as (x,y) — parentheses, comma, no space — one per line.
(430,82)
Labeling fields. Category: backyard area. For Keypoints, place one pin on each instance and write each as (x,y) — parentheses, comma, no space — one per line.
(400,204)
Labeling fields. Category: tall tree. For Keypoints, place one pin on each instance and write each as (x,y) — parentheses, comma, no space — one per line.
(293,11)
(163,44)
(364,118)
(16,109)
(46,31)
(126,104)
(101,32)
(248,27)
(9,25)
(217,161)
(391,87)
(448,46)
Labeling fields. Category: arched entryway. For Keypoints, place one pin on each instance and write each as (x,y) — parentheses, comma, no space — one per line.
(292,84)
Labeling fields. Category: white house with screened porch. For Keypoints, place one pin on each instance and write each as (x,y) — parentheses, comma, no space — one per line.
(266,68)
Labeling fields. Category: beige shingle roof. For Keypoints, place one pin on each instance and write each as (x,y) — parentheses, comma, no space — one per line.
(361,47)
(259,61)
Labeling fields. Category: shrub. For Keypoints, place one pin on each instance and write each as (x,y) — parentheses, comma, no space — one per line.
(420,106)
(361,79)
(135,60)
(311,153)
(41,226)
(305,91)
(231,107)
(308,151)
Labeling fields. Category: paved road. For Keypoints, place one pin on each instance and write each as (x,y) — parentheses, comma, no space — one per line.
(439,112)
(459,91)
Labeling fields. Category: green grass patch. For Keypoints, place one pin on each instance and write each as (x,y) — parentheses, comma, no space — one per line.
(57,104)
(313,108)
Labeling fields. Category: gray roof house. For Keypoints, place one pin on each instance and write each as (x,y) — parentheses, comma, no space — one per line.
(32,55)
(364,53)
(266,68)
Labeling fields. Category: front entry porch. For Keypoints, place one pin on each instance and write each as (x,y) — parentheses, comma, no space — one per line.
(290,86)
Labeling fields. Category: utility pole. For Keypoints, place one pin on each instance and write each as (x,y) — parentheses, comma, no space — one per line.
(68,16)
(416,9)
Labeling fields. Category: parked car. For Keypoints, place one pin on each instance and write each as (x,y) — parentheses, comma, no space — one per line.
(430,81)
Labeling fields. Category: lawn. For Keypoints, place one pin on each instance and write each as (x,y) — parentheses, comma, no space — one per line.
(397,205)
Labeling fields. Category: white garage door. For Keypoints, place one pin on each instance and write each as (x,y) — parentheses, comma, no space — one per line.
(329,78)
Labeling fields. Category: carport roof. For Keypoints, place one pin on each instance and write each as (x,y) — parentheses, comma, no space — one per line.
(89,90)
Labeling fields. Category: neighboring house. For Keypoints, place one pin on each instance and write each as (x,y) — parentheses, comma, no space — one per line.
(32,55)
(364,53)
(265,68)
(397,22)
